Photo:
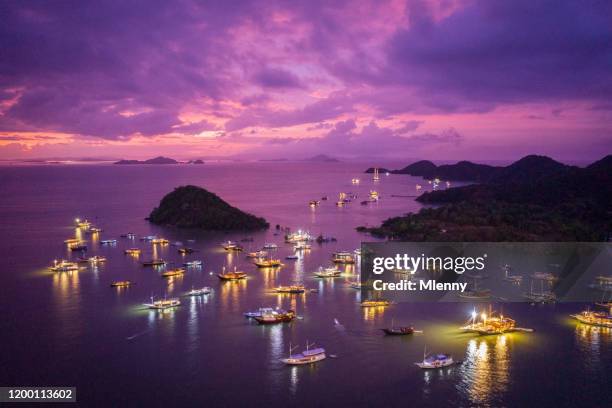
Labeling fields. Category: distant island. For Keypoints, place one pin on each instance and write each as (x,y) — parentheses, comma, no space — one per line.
(196,161)
(195,207)
(156,160)
(533,199)
(468,171)
(322,158)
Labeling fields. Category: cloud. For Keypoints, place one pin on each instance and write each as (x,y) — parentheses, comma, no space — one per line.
(277,78)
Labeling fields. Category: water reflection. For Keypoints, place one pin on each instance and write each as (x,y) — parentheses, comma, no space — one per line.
(591,340)
(485,370)
(373,314)
(230,294)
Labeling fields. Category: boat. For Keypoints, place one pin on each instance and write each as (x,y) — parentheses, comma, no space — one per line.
(160,241)
(64,266)
(148,238)
(72,241)
(173,272)
(121,284)
(193,264)
(398,330)
(82,223)
(269,245)
(267,263)
(476,294)
(81,248)
(435,361)
(262,311)
(324,198)
(331,272)
(96,259)
(200,292)
(308,356)
(293,256)
(129,235)
(275,317)
(490,323)
(374,195)
(231,246)
(375,303)
(357,285)
(298,236)
(544,295)
(231,276)
(132,251)
(322,238)
(154,262)
(94,230)
(341,200)
(163,303)
(257,254)
(343,258)
(185,251)
(600,319)
(313,203)
(290,289)
(376,177)
(108,242)
(357,252)
(602,283)
(355,181)
(302,246)
(511,278)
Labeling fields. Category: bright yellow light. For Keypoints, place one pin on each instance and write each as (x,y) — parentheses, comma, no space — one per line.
(483,316)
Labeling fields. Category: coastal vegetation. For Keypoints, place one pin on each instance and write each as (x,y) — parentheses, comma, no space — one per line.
(194,207)
(155,160)
(533,199)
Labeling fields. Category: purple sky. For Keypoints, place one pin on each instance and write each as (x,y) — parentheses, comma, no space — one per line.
(266,79)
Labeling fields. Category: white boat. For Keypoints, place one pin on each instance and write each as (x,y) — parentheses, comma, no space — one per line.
(108,242)
(64,266)
(436,361)
(307,356)
(294,256)
(97,259)
(163,304)
(301,246)
(262,311)
(200,292)
(193,264)
(270,245)
(331,272)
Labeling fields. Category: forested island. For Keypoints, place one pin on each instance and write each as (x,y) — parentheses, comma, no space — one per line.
(533,199)
(194,207)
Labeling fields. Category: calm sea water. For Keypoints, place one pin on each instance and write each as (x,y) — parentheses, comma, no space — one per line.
(74,330)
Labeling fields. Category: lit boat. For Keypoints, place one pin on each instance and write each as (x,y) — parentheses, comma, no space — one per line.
(193,264)
(293,256)
(95,230)
(600,319)
(262,311)
(299,236)
(132,251)
(307,356)
(357,285)
(96,259)
(64,266)
(232,246)
(376,177)
(78,247)
(129,235)
(375,303)
(163,304)
(148,238)
(341,200)
(82,223)
(121,284)
(185,251)
(270,245)
(267,263)
(173,272)
(487,324)
(290,289)
(72,241)
(343,258)
(160,241)
(257,254)
(313,203)
(275,317)
(301,246)
(108,242)
(436,361)
(200,292)
(332,272)
(231,276)
(154,262)
(355,181)
(374,195)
